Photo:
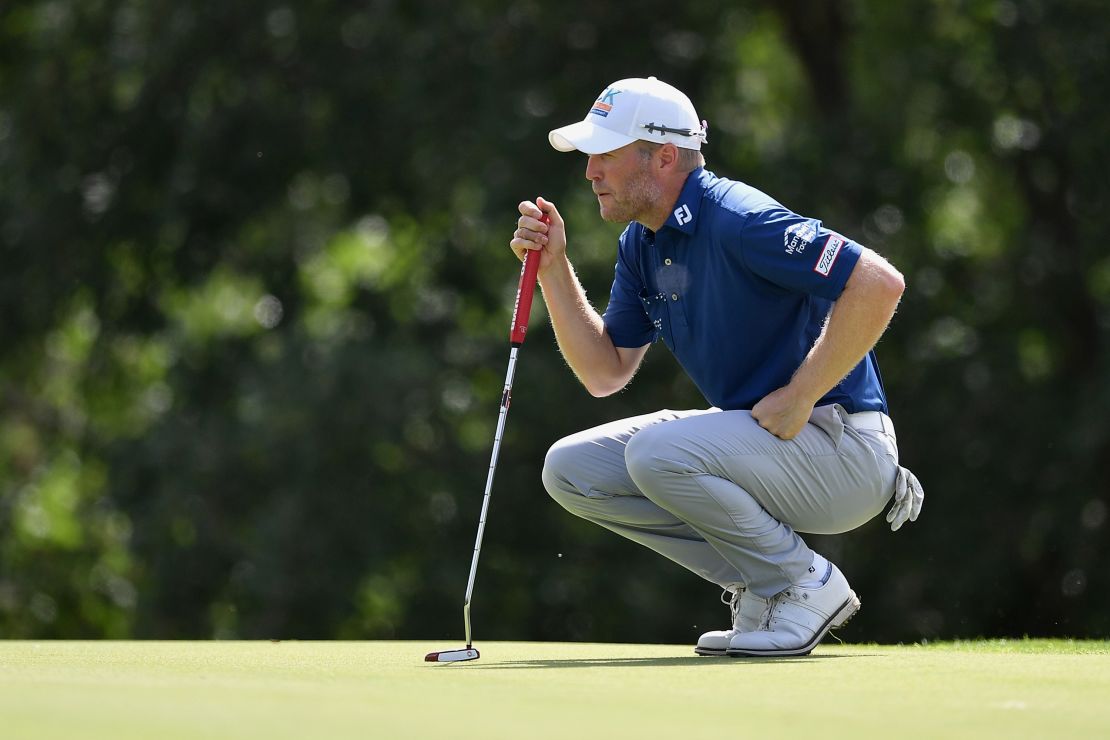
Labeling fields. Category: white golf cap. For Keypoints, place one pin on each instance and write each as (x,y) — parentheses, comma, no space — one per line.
(631,110)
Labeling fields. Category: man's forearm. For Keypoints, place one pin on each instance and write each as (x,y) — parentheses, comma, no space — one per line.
(857,320)
(580,332)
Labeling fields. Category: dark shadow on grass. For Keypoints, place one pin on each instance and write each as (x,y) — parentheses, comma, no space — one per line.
(651,662)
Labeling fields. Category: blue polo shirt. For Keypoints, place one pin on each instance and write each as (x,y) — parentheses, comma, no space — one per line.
(738,287)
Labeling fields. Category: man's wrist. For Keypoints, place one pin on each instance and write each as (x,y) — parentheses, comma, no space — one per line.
(801,391)
(558,270)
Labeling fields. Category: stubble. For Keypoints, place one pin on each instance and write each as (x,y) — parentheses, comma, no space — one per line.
(637,200)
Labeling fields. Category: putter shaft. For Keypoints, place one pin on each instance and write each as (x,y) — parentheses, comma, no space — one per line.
(506,396)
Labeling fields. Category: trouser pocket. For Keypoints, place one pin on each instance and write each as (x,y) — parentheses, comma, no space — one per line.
(830,420)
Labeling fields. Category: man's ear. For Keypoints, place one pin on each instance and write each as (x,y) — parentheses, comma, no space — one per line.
(668,156)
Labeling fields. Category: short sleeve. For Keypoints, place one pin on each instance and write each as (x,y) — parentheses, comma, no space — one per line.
(625,317)
(798,253)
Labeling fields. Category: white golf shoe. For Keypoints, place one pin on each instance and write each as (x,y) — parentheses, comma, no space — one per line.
(796,619)
(747,609)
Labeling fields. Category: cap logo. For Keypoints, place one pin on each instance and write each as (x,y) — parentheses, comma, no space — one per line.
(605,103)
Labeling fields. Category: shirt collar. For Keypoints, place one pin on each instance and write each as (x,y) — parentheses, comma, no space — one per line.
(684,216)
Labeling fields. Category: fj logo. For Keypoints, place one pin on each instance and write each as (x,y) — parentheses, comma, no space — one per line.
(682,214)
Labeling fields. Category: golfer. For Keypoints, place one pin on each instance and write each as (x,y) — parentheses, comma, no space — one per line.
(774,317)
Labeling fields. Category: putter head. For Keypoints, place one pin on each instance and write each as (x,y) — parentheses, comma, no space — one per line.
(452,656)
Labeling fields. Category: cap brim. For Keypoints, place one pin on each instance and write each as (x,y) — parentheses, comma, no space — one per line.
(588,137)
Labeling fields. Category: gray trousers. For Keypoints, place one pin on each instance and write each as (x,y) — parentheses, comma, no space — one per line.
(721,496)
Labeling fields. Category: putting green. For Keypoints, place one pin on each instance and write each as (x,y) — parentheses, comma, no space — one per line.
(1020,688)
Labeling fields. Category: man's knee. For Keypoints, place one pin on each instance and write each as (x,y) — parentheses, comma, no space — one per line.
(650,455)
(564,480)
(557,470)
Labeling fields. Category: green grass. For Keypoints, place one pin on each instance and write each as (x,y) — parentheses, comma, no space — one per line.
(1017,688)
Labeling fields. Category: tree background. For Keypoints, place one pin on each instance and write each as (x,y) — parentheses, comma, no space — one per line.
(255,292)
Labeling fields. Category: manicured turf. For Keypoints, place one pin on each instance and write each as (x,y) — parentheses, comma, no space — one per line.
(549,690)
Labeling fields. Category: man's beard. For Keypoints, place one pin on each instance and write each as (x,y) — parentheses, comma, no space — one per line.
(637,200)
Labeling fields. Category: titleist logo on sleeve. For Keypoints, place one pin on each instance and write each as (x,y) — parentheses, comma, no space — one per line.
(828,255)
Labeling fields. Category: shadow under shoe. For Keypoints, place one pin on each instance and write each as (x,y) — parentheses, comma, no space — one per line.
(798,618)
(747,610)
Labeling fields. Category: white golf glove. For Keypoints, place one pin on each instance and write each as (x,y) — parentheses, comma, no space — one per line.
(908,497)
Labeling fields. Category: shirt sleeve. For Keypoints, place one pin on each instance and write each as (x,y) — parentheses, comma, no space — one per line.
(625,317)
(798,253)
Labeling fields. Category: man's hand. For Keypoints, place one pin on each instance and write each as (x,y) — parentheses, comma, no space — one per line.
(531,233)
(908,498)
(782,413)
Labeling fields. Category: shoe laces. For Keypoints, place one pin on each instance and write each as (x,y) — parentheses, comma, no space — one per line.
(772,606)
(731,598)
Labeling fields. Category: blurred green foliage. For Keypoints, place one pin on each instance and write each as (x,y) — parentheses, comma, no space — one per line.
(255,292)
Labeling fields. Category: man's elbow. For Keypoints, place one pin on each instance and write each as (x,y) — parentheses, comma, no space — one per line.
(602,384)
(600,388)
(894,284)
(878,277)
(885,280)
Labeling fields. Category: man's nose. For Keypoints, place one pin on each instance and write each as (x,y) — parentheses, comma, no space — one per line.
(592,169)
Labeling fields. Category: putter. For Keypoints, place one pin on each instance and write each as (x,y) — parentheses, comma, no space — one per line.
(519,328)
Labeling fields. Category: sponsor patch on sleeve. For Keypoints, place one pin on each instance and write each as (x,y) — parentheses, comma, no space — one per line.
(829,254)
(799,236)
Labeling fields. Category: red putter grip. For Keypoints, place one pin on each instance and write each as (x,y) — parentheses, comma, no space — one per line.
(524,293)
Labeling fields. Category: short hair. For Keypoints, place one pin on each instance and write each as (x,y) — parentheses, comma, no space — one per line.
(688,159)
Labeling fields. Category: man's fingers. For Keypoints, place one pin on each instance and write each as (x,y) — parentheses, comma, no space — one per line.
(531,213)
(549,208)
(528,208)
(530,225)
(761,419)
(521,246)
(531,233)
(525,234)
